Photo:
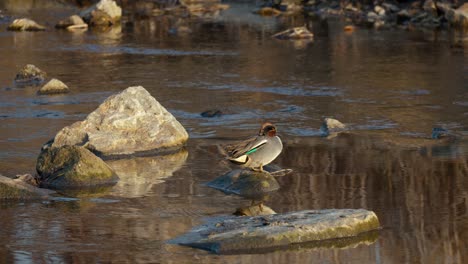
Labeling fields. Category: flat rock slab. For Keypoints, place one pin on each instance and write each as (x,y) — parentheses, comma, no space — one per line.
(15,189)
(244,234)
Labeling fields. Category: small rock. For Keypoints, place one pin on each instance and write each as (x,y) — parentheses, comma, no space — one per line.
(129,122)
(350,7)
(268,11)
(54,86)
(331,127)
(254,210)
(349,28)
(25,24)
(372,16)
(294,33)
(391,7)
(379,10)
(72,167)
(430,7)
(73,20)
(30,75)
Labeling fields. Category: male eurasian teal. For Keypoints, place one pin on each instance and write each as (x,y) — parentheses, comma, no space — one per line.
(257,151)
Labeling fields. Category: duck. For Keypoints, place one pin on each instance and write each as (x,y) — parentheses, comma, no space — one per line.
(257,151)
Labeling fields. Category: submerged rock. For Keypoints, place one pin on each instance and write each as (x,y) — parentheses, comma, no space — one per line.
(25,24)
(105,11)
(30,75)
(11,189)
(245,182)
(212,113)
(294,33)
(54,86)
(72,167)
(235,235)
(72,22)
(129,122)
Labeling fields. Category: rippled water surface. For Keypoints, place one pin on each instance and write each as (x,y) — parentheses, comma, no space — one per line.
(390,87)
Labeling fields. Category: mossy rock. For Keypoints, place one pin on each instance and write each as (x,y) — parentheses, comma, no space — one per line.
(73,167)
(13,189)
(245,182)
(238,235)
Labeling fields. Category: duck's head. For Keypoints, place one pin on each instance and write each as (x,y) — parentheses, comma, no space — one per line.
(267,129)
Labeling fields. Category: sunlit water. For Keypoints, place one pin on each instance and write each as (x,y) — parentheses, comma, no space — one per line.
(390,87)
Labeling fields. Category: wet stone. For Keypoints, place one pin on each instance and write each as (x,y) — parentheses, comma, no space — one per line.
(20,189)
(72,167)
(54,86)
(25,24)
(245,182)
(30,75)
(71,22)
(236,235)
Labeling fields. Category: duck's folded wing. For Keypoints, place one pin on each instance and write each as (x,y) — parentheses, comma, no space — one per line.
(245,147)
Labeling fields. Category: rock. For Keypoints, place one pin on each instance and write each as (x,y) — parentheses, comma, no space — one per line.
(28,178)
(138,175)
(237,235)
(72,22)
(254,210)
(103,11)
(100,19)
(54,86)
(72,167)
(331,127)
(379,10)
(403,16)
(245,182)
(25,24)
(212,113)
(430,7)
(11,189)
(391,7)
(129,122)
(30,75)
(458,17)
(349,28)
(295,33)
(268,11)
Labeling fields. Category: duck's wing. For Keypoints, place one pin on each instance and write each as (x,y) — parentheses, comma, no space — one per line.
(237,150)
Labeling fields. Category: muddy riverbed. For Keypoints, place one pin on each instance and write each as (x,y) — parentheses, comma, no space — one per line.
(390,87)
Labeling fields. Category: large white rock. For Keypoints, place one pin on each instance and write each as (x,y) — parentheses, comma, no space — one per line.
(131,121)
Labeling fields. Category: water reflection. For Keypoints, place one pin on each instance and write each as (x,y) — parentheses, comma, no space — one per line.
(138,175)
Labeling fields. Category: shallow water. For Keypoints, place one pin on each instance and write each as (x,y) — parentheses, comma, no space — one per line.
(390,87)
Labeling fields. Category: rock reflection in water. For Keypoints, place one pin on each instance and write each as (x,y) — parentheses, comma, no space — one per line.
(139,174)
